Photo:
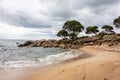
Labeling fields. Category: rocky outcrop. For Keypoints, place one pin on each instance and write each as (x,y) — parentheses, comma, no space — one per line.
(86,40)
(40,43)
(27,43)
(108,37)
(67,43)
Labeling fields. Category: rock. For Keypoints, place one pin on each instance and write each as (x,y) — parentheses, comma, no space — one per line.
(38,43)
(25,44)
(17,43)
(21,45)
(89,39)
(49,43)
(67,43)
(74,46)
(118,34)
(62,46)
(112,39)
(110,44)
(108,37)
(88,44)
(98,42)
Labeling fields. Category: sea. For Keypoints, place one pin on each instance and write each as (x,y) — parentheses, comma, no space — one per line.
(13,57)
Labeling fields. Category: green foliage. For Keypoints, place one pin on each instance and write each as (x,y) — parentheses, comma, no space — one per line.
(107,28)
(92,30)
(73,36)
(73,26)
(116,22)
(112,33)
(62,33)
(65,41)
(101,35)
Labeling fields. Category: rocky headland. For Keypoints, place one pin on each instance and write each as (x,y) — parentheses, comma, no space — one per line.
(110,40)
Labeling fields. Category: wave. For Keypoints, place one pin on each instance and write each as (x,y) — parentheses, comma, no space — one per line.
(51,59)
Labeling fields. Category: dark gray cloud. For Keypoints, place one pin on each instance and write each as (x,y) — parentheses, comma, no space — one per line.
(50,15)
(94,3)
(56,10)
(21,20)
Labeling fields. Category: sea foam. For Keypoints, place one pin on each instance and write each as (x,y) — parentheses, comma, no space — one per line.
(40,62)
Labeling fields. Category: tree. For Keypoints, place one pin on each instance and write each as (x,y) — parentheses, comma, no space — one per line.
(92,30)
(62,33)
(73,36)
(101,35)
(116,22)
(73,27)
(107,28)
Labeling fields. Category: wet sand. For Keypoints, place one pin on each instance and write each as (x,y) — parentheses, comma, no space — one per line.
(16,74)
(104,64)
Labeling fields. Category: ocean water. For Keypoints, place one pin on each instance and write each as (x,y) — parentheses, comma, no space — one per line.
(12,56)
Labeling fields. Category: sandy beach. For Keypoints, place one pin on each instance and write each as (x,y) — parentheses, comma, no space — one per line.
(59,39)
(103,64)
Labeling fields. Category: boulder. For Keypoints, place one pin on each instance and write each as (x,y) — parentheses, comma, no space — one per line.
(62,46)
(108,38)
(75,46)
(27,43)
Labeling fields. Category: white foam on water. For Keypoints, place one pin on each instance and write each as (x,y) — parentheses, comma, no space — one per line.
(17,64)
(59,57)
(51,59)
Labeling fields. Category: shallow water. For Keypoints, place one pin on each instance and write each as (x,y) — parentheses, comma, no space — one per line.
(12,56)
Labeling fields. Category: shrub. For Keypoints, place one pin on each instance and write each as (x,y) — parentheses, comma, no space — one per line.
(101,35)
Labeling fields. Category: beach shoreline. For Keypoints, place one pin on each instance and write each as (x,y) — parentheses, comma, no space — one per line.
(94,63)
(96,67)
(18,73)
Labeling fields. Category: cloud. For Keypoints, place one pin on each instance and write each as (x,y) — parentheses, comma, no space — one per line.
(43,18)
(8,31)
(27,13)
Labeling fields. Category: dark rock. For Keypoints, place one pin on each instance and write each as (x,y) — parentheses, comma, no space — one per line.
(21,45)
(25,44)
(118,34)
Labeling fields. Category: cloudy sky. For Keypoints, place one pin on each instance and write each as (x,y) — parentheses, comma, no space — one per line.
(38,19)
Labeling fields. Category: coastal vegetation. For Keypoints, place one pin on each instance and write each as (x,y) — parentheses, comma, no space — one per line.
(62,33)
(116,22)
(70,33)
(72,28)
(92,30)
(108,29)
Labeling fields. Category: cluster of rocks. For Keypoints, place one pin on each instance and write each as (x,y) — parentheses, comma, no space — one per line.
(107,39)
(66,43)
(40,43)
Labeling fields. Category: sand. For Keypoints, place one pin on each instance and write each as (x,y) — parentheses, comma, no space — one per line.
(104,64)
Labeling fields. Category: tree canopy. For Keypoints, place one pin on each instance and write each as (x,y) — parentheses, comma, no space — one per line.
(92,30)
(72,36)
(116,22)
(62,33)
(107,28)
(73,26)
